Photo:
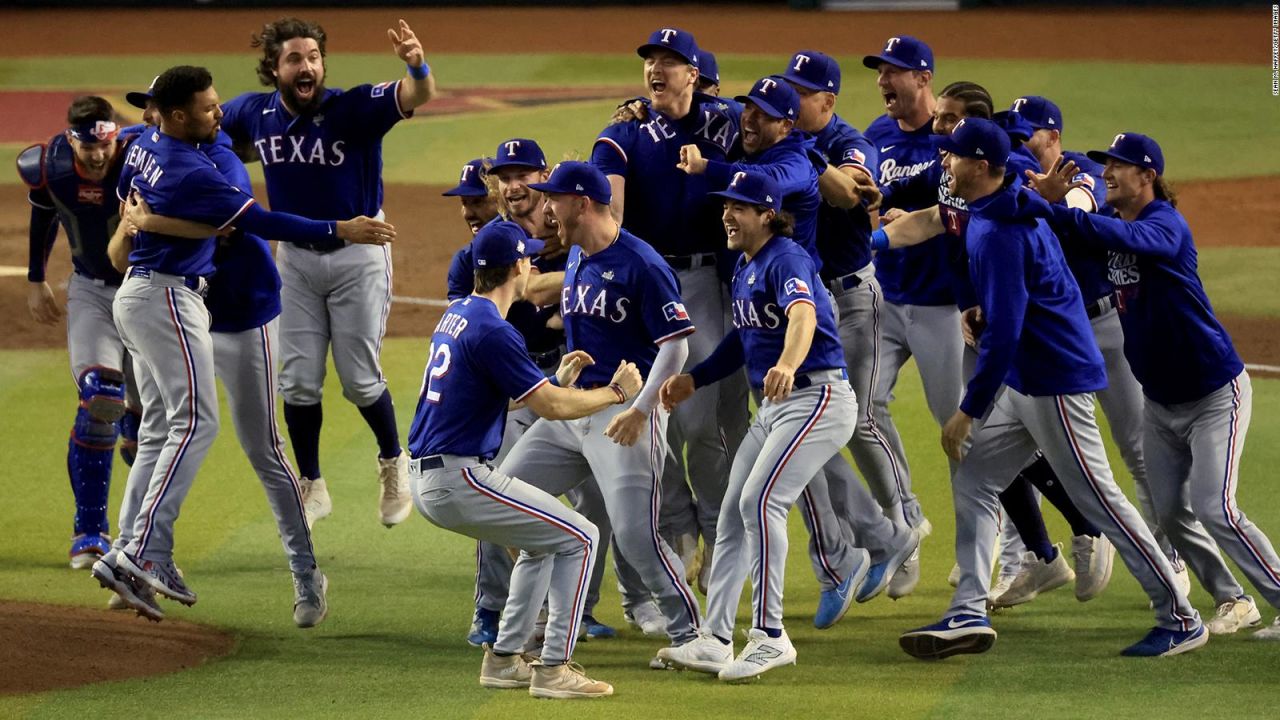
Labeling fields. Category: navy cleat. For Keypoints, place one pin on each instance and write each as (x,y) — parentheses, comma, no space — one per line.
(834,603)
(1163,643)
(484,628)
(955,635)
(593,629)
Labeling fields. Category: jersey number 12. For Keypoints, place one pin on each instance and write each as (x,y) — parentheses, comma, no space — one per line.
(438,359)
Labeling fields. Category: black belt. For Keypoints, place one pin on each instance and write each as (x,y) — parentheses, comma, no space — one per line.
(546,360)
(689,262)
(820,377)
(844,282)
(195,283)
(1101,306)
(321,247)
(437,462)
(98,281)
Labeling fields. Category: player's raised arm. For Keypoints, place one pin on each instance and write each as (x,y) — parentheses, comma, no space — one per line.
(419,86)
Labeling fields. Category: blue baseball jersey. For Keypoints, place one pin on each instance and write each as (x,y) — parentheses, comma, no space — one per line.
(1177,348)
(844,236)
(917,275)
(620,304)
(1038,339)
(178,180)
(764,288)
(663,204)
(87,210)
(1088,262)
(324,166)
(793,165)
(528,319)
(477,362)
(244,292)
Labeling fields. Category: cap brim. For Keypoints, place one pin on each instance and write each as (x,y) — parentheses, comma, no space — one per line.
(514,163)
(643,51)
(797,80)
(946,143)
(1101,157)
(533,246)
(548,187)
(464,191)
(768,109)
(137,99)
(731,195)
(873,62)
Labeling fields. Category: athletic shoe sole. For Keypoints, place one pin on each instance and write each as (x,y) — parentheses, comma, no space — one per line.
(932,646)
(757,671)
(131,569)
(1196,642)
(123,590)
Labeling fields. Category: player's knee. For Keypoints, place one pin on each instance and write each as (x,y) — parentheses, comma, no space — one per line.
(364,393)
(300,393)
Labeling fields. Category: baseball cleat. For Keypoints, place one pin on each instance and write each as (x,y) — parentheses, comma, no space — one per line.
(115,602)
(164,578)
(834,603)
(565,682)
(395,501)
(881,573)
(87,548)
(310,604)
(316,503)
(1233,615)
(1035,577)
(504,672)
(762,654)
(648,618)
(132,594)
(593,629)
(904,582)
(1270,632)
(1000,587)
(484,628)
(1163,643)
(1094,557)
(705,653)
(955,635)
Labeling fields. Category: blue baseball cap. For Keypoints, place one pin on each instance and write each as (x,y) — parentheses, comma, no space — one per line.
(774,96)
(573,177)
(1040,112)
(519,151)
(678,41)
(903,51)
(139,99)
(1132,148)
(1015,125)
(754,189)
(814,70)
(978,138)
(502,243)
(708,68)
(471,182)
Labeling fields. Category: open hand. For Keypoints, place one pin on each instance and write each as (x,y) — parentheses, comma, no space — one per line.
(627,426)
(675,390)
(1055,184)
(364,230)
(407,46)
(40,301)
(571,366)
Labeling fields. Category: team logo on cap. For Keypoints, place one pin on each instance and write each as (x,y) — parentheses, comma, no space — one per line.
(466,173)
(736,177)
(767,84)
(1017,104)
(512,146)
(578,187)
(520,246)
(1117,140)
(800,61)
(888,47)
(667,34)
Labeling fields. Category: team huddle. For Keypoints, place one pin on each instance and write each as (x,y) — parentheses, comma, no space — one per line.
(612,323)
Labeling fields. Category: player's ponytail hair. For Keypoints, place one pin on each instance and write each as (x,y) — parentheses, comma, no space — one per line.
(1164,191)
(783,223)
(272,39)
(977,101)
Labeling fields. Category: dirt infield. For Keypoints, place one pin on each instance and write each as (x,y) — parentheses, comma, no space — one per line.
(49,647)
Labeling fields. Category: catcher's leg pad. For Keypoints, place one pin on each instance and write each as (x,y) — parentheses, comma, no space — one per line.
(102,393)
(128,425)
(92,445)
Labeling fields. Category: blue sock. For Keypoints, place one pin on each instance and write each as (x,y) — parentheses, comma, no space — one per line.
(771,632)
(304,423)
(381,416)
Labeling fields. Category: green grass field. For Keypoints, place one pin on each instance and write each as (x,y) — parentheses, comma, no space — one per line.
(401,599)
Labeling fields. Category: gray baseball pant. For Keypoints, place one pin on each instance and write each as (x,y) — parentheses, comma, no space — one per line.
(1064,429)
(1193,457)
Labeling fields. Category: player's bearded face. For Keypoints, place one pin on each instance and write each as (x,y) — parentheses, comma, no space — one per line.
(900,89)
(202,117)
(94,157)
(513,186)
(965,173)
(300,74)
(761,132)
(560,210)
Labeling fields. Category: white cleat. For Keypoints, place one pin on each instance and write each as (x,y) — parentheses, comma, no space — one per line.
(1094,558)
(1036,577)
(395,501)
(1000,587)
(762,653)
(904,581)
(316,503)
(648,618)
(1234,615)
(704,653)
(1270,632)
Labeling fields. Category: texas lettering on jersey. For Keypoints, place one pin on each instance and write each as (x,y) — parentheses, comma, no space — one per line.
(581,300)
(746,314)
(275,149)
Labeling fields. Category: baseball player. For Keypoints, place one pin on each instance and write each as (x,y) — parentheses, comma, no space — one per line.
(321,153)
(1037,367)
(475,363)
(69,180)
(160,315)
(479,204)
(844,229)
(786,336)
(1198,398)
(654,200)
(619,299)
(920,318)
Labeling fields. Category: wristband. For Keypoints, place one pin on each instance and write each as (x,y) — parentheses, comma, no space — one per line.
(554,379)
(617,390)
(880,240)
(419,73)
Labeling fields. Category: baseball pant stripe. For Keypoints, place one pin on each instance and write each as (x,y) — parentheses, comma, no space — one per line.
(816,522)
(655,505)
(277,444)
(386,312)
(192,396)
(1231,478)
(762,507)
(1083,466)
(479,564)
(870,410)
(583,575)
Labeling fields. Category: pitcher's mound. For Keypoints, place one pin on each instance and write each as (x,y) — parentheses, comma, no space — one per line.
(48,647)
